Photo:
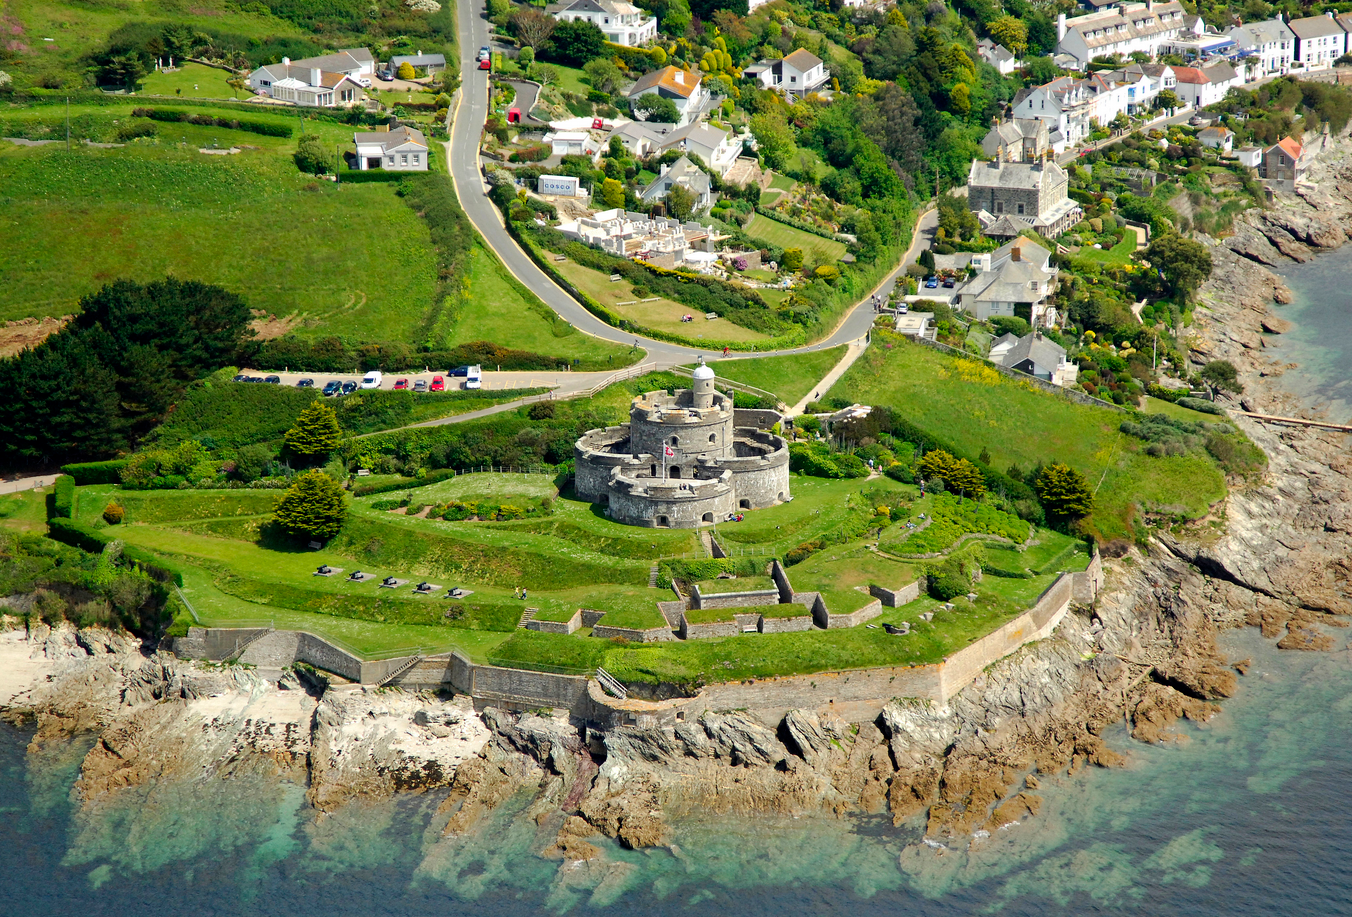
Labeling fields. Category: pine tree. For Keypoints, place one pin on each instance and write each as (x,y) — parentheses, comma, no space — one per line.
(314,506)
(1064,493)
(316,432)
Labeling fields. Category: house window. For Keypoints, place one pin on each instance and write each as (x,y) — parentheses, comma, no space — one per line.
(999,206)
(403,159)
(389,160)
(793,79)
(415,159)
(1021,210)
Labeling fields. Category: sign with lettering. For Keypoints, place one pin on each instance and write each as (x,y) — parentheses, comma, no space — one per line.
(561,185)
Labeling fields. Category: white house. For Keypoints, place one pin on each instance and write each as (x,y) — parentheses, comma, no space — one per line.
(685,174)
(309,87)
(1108,98)
(998,56)
(1017,279)
(623,23)
(1142,84)
(682,87)
(796,74)
(572,143)
(637,235)
(1268,47)
(1251,156)
(1124,29)
(1319,41)
(1207,86)
(431,63)
(1066,104)
(354,62)
(1217,138)
(718,149)
(1035,355)
(403,149)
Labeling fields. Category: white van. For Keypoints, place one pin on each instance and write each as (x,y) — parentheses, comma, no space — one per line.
(371,379)
(474,378)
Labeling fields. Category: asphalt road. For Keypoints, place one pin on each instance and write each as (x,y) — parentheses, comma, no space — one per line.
(463,155)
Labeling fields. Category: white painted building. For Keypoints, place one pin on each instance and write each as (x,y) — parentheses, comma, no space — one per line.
(403,149)
(796,74)
(1320,41)
(572,143)
(1206,86)
(682,87)
(1123,29)
(718,149)
(684,174)
(1267,47)
(998,56)
(637,235)
(623,23)
(560,186)
(1066,104)
(308,87)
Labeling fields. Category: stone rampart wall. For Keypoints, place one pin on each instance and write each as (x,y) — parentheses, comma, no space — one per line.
(755,418)
(324,655)
(526,690)
(590,616)
(708,631)
(633,635)
(214,643)
(785,625)
(854,618)
(733,599)
(895,598)
(1087,584)
(557,627)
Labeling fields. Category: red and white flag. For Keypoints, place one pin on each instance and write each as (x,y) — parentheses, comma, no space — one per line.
(670,452)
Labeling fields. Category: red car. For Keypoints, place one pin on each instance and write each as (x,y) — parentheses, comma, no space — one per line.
(485,64)
(400,385)
(438,383)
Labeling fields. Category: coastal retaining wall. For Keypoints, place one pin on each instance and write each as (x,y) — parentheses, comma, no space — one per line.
(214,643)
(632,634)
(324,655)
(522,690)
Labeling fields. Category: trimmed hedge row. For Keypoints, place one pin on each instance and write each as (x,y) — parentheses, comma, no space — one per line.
(358,177)
(63,503)
(85,538)
(176,115)
(431,477)
(794,338)
(84,473)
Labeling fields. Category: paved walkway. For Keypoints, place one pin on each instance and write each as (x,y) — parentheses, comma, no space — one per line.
(852,353)
(35,482)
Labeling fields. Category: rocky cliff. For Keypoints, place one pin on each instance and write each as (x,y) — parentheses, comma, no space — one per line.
(1145,653)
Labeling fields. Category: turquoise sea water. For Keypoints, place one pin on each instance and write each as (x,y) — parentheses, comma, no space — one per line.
(1247,816)
(1320,342)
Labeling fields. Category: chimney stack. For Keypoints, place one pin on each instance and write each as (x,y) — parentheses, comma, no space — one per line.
(1016,253)
(1060,26)
(286,62)
(316,78)
(680,77)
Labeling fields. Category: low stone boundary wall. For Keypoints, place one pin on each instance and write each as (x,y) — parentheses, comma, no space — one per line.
(633,635)
(786,625)
(895,598)
(590,616)
(708,631)
(854,618)
(733,599)
(557,627)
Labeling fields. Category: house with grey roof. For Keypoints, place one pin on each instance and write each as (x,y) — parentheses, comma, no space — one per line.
(623,23)
(403,149)
(1267,47)
(795,74)
(998,56)
(684,174)
(1015,280)
(717,148)
(427,63)
(1036,355)
(1031,195)
(1017,140)
(305,84)
(1123,29)
(1320,41)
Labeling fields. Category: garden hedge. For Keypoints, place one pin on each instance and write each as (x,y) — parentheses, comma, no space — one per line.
(109,472)
(63,502)
(85,538)
(178,115)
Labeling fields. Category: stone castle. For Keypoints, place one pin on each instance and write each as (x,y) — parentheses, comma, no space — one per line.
(681,461)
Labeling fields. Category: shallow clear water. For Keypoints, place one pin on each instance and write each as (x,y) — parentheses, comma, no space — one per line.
(1320,343)
(1247,817)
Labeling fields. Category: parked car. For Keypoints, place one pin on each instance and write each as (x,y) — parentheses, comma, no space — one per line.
(931,282)
(903,309)
(438,384)
(400,385)
(420,385)
(363,81)
(306,383)
(385,75)
(486,64)
(331,388)
(273,380)
(241,378)
(372,379)
(485,53)
(474,378)
(948,282)
(460,371)
(349,388)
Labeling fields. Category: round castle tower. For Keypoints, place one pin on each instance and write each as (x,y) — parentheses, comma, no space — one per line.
(681,461)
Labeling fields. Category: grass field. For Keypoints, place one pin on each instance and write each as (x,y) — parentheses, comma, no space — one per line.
(843,573)
(1118,255)
(496,309)
(790,377)
(192,81)
(785,236)
(660,315)
(249,222)
(25,511)
(974,407)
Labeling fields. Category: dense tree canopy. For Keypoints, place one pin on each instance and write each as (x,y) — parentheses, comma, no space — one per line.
(314,507)
(1064,493)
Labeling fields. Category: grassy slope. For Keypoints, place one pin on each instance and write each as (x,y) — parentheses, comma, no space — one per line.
(497,308)
(789,377)
(247,222)
(25,512)
(661,315)
(785,236)
(974,407)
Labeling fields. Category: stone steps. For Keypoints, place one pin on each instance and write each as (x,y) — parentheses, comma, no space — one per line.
(652,577)
(527,616)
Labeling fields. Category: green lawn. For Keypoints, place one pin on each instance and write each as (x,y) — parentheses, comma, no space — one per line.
(735,584)
(790,377)
(75,221)
(843,573)
(1118,255)
(1160,406)
(25,511)
(659,315)
(192,81)
(785,236)
(497,308)
(819,507)
(974,407)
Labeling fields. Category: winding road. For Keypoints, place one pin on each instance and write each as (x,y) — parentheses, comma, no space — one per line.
(466,173)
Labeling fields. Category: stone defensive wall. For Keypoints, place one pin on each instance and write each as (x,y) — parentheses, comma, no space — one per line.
(593,461)
(634,635)
(733,599)
(670,504)
(855,695)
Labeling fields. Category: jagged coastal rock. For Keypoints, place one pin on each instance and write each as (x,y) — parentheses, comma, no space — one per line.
(1145,652)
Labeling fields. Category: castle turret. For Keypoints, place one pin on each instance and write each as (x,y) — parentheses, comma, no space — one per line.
(704,386)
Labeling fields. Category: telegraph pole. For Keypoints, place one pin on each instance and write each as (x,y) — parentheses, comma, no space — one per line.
(67,124)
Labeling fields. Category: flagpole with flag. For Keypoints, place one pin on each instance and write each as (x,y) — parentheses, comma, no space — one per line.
(667,452)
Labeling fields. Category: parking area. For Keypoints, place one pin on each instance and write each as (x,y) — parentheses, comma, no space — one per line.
(490,381)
